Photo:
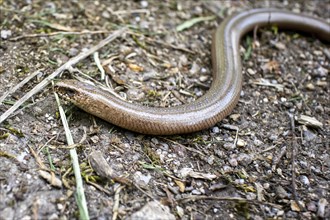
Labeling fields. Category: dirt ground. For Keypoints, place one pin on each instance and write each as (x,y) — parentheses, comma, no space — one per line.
(263,161)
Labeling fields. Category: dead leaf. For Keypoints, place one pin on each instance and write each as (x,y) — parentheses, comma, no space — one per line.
(181,185)
(271,66)
(135,68)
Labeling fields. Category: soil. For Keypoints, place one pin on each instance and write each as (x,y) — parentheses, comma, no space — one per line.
(261,162)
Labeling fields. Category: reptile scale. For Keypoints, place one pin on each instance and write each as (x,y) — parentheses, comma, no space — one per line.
(219,100)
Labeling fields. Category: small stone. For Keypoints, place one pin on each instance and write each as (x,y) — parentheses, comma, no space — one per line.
(273,137)
(304,179)
(309,135)
(240,143)
(196,192)
(310,86)
(311,206)
(244,159)
(257,142)
(154,140)
(321,71)
(153,210)
(280,46)
(294,206)
(194,68)
(140,179)
(251,196)
(5,34)
(37,111)
(233,162)
(144,4)
(179,211)
(319,109)
(281,192)
(210,160)
(227,169)
(229,146)
(106,14)
(73,52)
(215,130)
(239,181)
(317,52)
(251,71)
(203,78)
(321,207)
(183,60)
(95,139)
(234,117)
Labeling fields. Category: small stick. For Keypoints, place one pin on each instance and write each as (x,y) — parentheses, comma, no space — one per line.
(19,85)
(235,199)
(56,33)
(116,203)
(293,158)
(65,66)
(98,64)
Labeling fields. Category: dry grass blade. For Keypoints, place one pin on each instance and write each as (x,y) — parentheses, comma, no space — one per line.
(65,66)
(19,85)
(80,195)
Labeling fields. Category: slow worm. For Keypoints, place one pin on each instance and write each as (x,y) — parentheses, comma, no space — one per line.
(223,94)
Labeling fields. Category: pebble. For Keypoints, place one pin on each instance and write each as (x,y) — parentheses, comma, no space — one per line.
(37,110)
(140,179)
(257,142)
(203,78)
(321,72)
(251,71)
(95,139)
(309,135)
(180,211)
(251,196)
(5,34)
(106,14)
(311,206)
(227,169)
(280,46)
(215,130)
(244,159)
(229,146)
(304,179)
(310,86)
(144,4)
(196,192)
(183,60)
(319,109)
(239,181)
(73,52)
(210,159)
(233,162)
(153,210)
(240,143)
(194,68)
(321,207)
(281,192)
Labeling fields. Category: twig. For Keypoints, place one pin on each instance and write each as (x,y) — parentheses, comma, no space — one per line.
(80,195)
(19,85)
(293,158)
(65,66)
(151,40)
(98,64)
(235,199)
(277,157)
(57,33)
(116,203)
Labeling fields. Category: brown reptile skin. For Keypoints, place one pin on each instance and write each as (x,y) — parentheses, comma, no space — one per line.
(223,94)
